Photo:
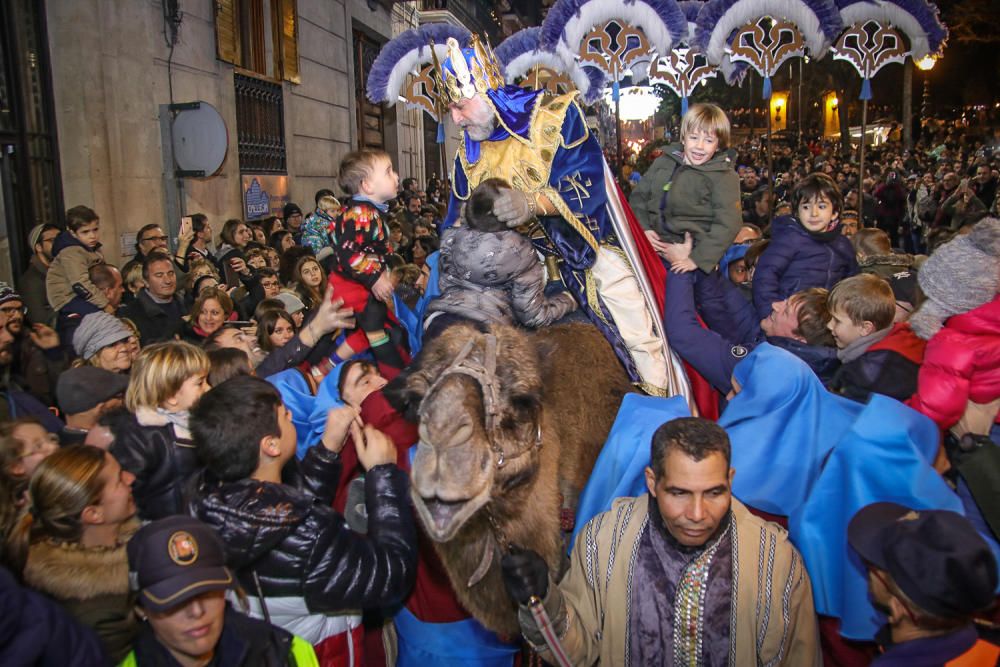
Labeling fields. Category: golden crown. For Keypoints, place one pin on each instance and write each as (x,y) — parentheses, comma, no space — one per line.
(467,71)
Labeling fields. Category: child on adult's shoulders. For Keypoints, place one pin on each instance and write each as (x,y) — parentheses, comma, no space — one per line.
(876,354)
(806,250)
(361,247)
(692,189)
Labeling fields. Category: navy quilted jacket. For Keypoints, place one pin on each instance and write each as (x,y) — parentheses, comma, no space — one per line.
(796,260)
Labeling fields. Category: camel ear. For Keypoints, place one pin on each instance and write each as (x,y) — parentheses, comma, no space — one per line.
(406,392)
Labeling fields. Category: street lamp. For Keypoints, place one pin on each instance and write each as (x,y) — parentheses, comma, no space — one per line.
(926,64)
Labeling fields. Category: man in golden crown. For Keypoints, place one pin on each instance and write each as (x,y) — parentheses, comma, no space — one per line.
(541,145)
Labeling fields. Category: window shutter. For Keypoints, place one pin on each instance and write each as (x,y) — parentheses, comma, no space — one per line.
(227,31)
(290,41)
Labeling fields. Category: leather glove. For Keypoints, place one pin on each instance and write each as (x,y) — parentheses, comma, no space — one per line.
(524,574)
(512,208)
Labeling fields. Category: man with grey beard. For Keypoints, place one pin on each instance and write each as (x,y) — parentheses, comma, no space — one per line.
(562,197)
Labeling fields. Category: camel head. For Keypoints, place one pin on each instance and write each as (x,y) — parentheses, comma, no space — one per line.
(477,397)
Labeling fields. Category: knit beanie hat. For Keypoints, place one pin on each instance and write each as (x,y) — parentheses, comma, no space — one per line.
(960,276)
(96,331)
(7,293)
(293,303)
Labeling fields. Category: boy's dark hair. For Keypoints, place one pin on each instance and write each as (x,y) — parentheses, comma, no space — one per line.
(394,261)
(226,363)
(357,166)
(228,423)
(814,313)
(694,436)
(479,209)
(814,186)
(154,256)
(267,304)
(198,222)
(78,216)
(323,192)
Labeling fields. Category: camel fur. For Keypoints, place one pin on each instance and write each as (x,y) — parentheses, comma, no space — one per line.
(564,379)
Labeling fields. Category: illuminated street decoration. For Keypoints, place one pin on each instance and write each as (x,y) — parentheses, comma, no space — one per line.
(637,102)
(682,70)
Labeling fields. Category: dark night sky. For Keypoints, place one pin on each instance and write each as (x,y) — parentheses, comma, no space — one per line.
(968,72)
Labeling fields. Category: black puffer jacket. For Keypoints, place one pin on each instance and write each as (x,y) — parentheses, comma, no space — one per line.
(300,547)
(161,456)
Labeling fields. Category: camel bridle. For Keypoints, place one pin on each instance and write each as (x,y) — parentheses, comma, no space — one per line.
(485,375)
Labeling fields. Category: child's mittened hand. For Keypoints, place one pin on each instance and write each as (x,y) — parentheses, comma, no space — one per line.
(339,423)
(375,448)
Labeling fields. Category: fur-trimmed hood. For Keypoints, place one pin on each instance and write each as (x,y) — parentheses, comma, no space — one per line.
(68,571)
(892,259)
(151,417)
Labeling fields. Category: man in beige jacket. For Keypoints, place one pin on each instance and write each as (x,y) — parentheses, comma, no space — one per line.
(685,575)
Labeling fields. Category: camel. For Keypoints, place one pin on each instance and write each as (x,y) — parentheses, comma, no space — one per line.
(510,425)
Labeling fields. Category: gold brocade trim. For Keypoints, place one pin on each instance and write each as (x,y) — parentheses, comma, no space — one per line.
(652,390)
(459,154)
(496,114)
(527,164)
(592,298)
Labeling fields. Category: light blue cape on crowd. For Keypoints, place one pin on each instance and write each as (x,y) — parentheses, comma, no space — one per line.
(801,452)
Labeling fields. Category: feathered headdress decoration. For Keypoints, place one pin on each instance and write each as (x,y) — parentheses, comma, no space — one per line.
(818,21)
(568,21)
(522,51)
(406,54)
(917,19)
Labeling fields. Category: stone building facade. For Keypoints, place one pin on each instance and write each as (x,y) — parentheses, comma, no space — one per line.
(117,64)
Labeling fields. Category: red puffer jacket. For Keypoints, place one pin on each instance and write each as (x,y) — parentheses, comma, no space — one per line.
(961,363)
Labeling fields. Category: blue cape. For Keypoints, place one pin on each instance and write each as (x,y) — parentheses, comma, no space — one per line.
(618,471)
(886,455)
(802,452)
(413,320)
(782,425)
(297,397)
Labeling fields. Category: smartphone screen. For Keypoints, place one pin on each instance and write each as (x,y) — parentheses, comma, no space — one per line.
(232,277)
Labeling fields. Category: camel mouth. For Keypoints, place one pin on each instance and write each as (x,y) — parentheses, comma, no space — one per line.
(444,518)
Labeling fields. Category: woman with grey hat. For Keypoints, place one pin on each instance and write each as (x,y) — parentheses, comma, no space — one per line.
(959,381)
(177,568)
(102,340)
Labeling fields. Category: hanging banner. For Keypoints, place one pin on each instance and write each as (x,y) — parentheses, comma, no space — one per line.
(264,195)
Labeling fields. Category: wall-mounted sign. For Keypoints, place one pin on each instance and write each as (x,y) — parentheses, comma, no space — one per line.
(264,195)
